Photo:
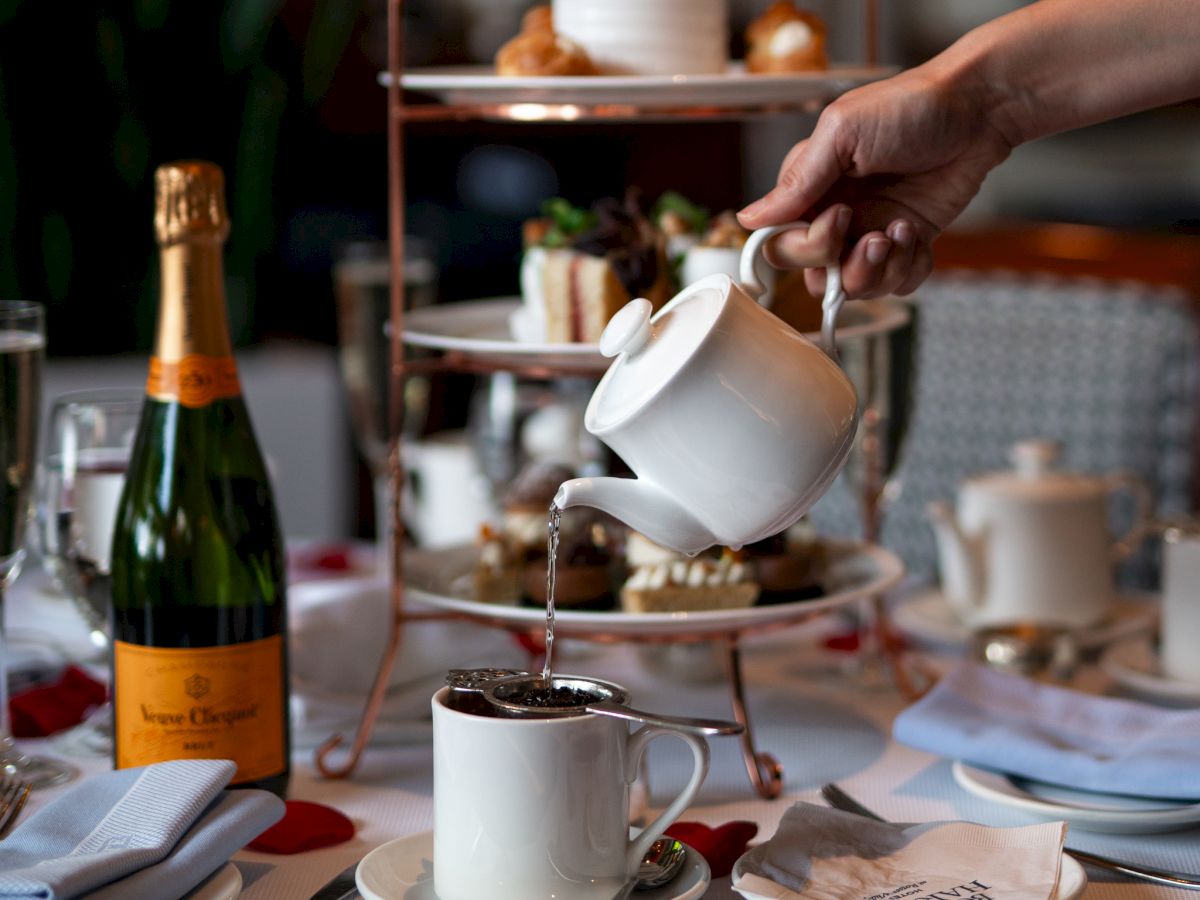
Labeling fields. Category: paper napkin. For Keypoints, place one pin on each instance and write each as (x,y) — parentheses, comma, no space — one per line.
(151,833)
(827,854)
(1053,734)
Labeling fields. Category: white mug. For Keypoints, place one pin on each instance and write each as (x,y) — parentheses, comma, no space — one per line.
(534,809)
(1180,626)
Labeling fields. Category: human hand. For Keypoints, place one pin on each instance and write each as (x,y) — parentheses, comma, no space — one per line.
(887,168)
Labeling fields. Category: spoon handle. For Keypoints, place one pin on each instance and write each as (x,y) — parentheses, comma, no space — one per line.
(679,723)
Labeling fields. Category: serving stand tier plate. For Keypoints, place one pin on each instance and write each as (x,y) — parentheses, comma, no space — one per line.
(447,95)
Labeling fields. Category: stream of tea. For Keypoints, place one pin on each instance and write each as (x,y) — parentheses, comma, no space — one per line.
(553,526)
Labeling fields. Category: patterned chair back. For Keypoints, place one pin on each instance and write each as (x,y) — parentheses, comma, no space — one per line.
(1110,369)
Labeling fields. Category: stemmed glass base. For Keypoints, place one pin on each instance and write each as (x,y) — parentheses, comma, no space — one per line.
(36,771)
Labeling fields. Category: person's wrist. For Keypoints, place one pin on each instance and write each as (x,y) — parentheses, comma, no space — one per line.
(974,71)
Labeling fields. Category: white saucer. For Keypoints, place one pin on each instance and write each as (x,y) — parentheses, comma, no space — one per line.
(1072,879)
(927,616)
(403,870)
(1135,665)
(1083,810)
(224,884)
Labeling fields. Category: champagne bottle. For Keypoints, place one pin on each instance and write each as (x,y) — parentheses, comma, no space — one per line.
(198,569)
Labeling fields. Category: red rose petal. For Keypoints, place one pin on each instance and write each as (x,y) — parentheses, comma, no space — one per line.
(720,846)
(304,826)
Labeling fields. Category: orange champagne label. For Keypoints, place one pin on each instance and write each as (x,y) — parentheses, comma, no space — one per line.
(201,703)
(195,381)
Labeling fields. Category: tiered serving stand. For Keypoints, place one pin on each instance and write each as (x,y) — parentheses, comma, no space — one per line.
(861,571)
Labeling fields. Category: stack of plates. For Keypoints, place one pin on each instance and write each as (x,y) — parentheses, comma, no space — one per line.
(1083,810)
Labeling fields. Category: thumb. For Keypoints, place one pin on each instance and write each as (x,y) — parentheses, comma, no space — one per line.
(808,172)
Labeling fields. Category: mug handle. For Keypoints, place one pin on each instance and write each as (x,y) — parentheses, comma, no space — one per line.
(638,742)
(831,304)
(1143,506)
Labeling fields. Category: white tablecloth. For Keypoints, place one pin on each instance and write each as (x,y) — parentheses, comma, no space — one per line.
(822,724)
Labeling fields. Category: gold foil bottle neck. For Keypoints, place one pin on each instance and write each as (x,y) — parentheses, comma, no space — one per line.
(189,202)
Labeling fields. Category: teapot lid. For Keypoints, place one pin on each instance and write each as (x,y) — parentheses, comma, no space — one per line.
(1035,477)
(651,348)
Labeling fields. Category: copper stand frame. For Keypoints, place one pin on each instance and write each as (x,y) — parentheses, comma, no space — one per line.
(764,770)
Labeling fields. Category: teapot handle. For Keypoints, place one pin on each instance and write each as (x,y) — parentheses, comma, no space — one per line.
(1143,504)
(831,305)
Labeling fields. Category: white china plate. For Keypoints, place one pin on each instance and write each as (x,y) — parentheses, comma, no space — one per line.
(1083,810)
(734,89)
(1072,879)
(855,571)
(403,870)
(927,616)
(481,327)
(1135,665)
(224,884)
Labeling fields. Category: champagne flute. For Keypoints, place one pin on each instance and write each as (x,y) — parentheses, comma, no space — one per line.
(361,281)
(79,485)
(880,365)
(22,350)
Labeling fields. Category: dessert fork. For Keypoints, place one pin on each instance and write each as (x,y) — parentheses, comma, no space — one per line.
(839,799)
(13,794)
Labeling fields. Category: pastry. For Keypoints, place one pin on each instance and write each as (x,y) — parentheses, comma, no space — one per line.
(785,39)
(585,563)
(497,574)
(689,585)
(789,565)
(538,50)
(581,267)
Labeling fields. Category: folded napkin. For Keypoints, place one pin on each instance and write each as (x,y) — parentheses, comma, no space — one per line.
(50,708)
(827,854)
(1056,735)
(151,833)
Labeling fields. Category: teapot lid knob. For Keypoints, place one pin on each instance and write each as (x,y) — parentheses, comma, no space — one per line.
(1034,457)
(628,330)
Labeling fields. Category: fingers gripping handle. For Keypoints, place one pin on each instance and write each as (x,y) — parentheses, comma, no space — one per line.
(831,305)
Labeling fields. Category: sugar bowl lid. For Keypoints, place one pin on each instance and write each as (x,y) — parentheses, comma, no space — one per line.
(1035,477)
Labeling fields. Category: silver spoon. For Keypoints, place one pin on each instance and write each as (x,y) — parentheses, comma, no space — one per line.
(661,864)
(839,799)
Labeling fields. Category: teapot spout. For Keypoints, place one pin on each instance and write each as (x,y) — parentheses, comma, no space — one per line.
(642,506)
(961,559)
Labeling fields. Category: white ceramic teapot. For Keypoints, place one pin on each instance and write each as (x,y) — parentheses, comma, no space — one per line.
(1033,544)
(732,421)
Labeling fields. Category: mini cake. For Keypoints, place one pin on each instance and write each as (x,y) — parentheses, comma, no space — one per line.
(648,37)
(538,50)
(584,571)
(785,39)
(789,565)
(581,267)
(689,585)
(497,575)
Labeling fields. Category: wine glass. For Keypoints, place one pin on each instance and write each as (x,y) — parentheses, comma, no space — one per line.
(361,282)
(880,364)
(22,351)
(80,481)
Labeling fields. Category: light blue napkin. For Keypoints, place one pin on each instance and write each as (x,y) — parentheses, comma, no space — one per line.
(1056,735)
(135,834)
